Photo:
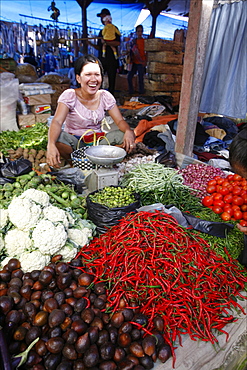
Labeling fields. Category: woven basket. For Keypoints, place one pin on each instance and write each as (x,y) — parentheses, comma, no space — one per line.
(158,44)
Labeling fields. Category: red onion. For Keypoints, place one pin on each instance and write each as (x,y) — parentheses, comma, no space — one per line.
(197,176)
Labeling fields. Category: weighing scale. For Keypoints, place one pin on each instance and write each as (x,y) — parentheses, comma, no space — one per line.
(104,156)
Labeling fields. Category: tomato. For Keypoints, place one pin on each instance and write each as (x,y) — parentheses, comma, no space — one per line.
(207,200)
(237,200)
(244,198)
(217,210)
(229,177)
(218,196)
(228,198)
(211,189)
(220,181)
(217,178)
(224,190)
(245,216)
(226,184)
(218,202)
(235,208)
(237,177)
(212,182)
(243,223)
(225,216)
(236,190)
(237,215)
(228,210)
(235,183)
(244,208)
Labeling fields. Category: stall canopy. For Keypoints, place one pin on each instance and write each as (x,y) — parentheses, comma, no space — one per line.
(126,14)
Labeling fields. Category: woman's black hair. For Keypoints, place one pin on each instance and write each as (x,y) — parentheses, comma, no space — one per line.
(139,26)
(86,59)
(238,149)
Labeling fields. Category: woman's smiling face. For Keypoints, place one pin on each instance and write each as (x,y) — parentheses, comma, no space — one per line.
(90,78)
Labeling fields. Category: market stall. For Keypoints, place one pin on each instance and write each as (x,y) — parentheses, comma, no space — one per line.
(141,274)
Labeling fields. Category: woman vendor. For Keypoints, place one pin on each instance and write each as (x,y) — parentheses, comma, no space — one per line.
(83,109)
(238,159)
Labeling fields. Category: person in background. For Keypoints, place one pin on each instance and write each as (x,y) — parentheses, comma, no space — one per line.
(109,34)
(30,58)
(110,63)
(83,109)
(138,60)
(238,159)
(71,75)
(50,62)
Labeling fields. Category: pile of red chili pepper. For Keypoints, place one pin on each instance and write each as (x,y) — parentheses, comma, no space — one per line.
(152,262)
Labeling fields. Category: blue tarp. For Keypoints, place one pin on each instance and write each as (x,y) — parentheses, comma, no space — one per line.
(124,15)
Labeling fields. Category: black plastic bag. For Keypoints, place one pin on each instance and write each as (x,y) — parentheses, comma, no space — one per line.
(218,229)
(16,168)
(168,159)
(104,217)
(71,176)
(5,180)
(242,258)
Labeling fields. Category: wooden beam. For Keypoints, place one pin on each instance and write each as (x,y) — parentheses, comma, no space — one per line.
(195,50)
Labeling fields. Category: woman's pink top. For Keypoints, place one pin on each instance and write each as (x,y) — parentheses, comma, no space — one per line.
(79,118)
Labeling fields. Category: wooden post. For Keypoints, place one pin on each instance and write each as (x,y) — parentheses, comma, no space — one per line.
(195,50)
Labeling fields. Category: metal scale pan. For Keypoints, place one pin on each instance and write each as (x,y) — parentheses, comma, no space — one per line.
(105,155)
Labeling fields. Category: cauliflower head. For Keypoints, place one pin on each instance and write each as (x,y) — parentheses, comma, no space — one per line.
(55,214)
(33,261)
(5,261)
(68,252)
(49,238)
(79,237)
(23,213)
(37,196)
(17,242)
(3,217)
(2,244)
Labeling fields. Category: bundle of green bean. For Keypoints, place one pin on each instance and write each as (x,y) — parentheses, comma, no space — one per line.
(159,184)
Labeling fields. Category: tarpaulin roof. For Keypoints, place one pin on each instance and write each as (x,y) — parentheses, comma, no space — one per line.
(124,14)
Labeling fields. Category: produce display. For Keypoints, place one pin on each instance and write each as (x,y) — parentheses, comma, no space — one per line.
(152,263)
(32,137)
(61,195)
(62,313)
(33,230)
(158,184)
(111,196)
(197,176)
(228,198)
(126,298)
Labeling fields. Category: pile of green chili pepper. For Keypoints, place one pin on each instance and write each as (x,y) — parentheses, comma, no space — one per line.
(164,270)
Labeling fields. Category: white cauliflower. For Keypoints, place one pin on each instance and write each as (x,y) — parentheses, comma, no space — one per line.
(5,261)
(70,218)
(3,217)
(68,252)
(79,237)
(17,242)
(49,238)
(55,214)
(33,261)
(37,196)
(24,213)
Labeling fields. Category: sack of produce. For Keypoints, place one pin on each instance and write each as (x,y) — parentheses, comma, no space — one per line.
(107,206)
(54,78)
(26,73)
(9,94)
(15,168)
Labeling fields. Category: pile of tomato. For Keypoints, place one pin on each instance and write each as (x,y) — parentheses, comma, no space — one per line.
(228,198)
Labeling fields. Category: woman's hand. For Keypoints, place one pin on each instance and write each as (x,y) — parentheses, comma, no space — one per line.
(242,228)
(129,140)
(53,156)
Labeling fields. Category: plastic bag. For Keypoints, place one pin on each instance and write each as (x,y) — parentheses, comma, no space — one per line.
(71,176)
(15,168)
(104,217)
(168,159)
(9,94)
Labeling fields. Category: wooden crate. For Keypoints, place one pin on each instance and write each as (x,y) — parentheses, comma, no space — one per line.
(161,86)
(165,77)
(58,88)
(158,44)
(158,67)
(170,57)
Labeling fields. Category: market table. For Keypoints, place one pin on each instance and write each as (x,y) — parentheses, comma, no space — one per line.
(199,355)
